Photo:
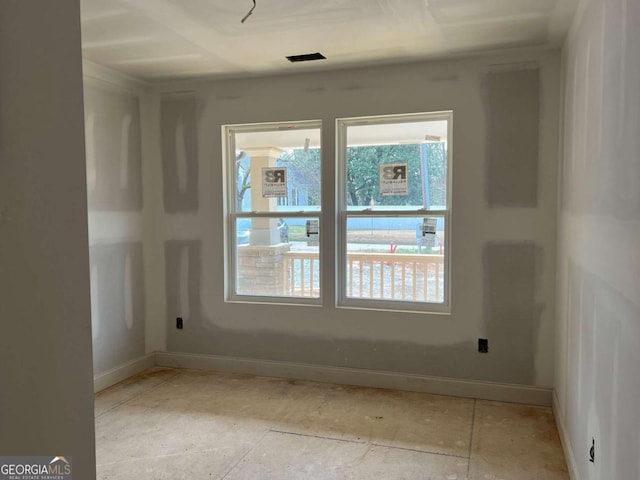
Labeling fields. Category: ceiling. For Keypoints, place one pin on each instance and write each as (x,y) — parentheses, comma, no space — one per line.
(161,40)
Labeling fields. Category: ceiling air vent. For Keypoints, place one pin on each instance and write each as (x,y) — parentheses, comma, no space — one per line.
(307,57)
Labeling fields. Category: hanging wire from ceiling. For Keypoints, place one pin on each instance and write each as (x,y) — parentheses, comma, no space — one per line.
(250,12)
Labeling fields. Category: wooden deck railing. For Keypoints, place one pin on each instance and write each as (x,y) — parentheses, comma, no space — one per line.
(371,275)
(301,274)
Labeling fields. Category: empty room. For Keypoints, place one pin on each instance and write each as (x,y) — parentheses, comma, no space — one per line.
(250,239)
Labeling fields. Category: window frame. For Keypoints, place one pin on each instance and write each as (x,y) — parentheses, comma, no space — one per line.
(343,214)
(231,214)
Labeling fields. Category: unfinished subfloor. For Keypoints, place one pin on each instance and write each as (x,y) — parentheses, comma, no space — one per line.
(186,424)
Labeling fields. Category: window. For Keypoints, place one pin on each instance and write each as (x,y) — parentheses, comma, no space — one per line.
(394,209)
(392,212)
(274,209)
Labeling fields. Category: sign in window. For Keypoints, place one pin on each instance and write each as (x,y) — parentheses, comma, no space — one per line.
(394,175)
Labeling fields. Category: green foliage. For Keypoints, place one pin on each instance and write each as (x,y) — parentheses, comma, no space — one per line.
(437,165)
(297,233)
(363,168)
(303,170)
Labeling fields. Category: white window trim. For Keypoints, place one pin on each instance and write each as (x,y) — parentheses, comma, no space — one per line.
(231,214)
(342,301)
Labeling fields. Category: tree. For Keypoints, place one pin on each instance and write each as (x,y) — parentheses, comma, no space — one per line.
(303,171)
(243,180)
(436,157)
(363,171)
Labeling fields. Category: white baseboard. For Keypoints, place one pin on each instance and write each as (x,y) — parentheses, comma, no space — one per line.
(565,440)
(361,377)
(122,372)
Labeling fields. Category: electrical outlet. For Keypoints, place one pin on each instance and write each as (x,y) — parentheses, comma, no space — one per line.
(483,345)
(592,451)
(179,323)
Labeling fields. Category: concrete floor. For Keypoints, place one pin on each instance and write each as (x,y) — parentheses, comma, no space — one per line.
(187,424)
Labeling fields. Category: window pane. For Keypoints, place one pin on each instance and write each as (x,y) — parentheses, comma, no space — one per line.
(396,258)
(397,165)
(278,170)
(278,257)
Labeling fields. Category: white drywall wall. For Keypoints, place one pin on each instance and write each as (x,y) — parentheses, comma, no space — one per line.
(112,108)
(598,326)
(46,404)
(395,341)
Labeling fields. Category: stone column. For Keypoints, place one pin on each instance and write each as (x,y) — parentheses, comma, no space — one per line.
(264,231)
(261,269)
(261,264)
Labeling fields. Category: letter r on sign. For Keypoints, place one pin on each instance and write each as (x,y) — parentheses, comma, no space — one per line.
(399,171)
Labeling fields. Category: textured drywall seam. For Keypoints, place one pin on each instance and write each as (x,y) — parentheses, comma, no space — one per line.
(115,197)
(513,104)
(147,221)
(417,343)
(119,330)
(511,315)
(180,152)
(598,387)
(152,178)
(113,143)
